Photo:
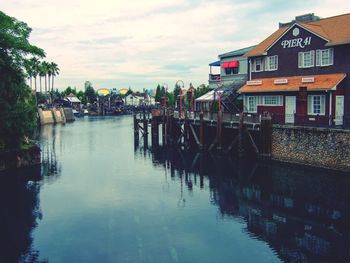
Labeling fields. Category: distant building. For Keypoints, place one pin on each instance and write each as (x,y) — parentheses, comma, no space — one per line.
(73,100)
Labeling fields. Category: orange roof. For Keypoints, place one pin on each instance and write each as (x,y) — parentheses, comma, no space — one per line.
(335,29)
(320,82)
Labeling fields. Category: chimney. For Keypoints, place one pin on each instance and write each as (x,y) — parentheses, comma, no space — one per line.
(302,18)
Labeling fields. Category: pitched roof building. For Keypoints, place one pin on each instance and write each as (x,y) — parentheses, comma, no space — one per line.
(300,73)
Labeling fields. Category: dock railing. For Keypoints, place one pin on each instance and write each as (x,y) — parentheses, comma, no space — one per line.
(212,116)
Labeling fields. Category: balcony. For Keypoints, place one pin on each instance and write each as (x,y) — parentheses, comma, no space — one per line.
(214,80)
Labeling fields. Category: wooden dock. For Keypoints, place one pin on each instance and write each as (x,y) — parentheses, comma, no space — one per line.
(227,133)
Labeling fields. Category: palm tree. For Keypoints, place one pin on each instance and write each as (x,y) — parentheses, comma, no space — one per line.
(55,71)
(34,64)
(45,68)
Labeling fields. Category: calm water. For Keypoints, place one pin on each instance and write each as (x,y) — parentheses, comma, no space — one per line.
(99,197)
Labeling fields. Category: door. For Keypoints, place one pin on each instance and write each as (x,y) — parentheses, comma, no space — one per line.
(339,110)
(290,109)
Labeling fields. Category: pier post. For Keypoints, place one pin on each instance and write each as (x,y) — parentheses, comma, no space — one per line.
(201,131)
(145,129)
(186,129)
(219,131)
(241,150)
(155,132)
(136,126)
(266,135)
(167,128)
(163,127)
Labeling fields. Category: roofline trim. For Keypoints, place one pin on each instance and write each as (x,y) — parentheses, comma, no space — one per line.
(278,39)
(291,90)
(330,44)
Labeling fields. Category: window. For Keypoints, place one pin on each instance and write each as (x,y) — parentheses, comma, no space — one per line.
(231,71)
(316,105)
(306,59)
(273,100)
(324,57)
(252,104)
(271,63)
(257,65)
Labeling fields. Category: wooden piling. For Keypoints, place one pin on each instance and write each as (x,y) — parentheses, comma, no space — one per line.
(219,131)
(136,126)
(145,129)
(201,131)
(241,150)
(266,135)
(163,127)
(186,130)
(155,132)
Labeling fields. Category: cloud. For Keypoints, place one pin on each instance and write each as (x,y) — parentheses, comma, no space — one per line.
(117,43)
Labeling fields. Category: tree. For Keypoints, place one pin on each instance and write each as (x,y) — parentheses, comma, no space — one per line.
(55,71)
(17,104)
(45,70)
(158,95)
(129,92)
(82,97)
(90,93)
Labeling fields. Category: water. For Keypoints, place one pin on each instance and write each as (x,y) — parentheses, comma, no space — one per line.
(98,197)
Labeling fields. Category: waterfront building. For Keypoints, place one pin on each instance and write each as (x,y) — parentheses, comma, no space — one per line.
(300,73)
(138,99)
(233,68)
(73,100)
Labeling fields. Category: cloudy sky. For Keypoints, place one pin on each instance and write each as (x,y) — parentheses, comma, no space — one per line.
(140,43)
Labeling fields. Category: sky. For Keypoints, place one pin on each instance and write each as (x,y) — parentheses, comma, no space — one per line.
(142,43)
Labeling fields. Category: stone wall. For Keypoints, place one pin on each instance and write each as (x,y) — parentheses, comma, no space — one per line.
(321,147)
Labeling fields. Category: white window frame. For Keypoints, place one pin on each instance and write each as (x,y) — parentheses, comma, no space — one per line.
(272,63)
(311,99)
(302,59)
(254,108)
(254,64)
(262,101)
(278,100)
(322,54)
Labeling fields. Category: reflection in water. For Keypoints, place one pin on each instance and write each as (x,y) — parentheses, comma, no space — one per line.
(96,199)
(20,204)
(302,213)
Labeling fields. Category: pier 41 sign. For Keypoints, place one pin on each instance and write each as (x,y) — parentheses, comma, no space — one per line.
(296,42)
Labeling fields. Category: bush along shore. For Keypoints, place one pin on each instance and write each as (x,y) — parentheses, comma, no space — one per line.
(18,102)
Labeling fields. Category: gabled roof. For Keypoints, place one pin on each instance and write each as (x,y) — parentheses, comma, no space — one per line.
(236,53)
(320,83)
(336,30)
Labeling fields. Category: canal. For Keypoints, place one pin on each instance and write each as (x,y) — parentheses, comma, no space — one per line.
(99,197)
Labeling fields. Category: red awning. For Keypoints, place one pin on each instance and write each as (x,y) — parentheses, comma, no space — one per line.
(231,64)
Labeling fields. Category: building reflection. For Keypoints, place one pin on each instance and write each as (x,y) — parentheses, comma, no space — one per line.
(302,213)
